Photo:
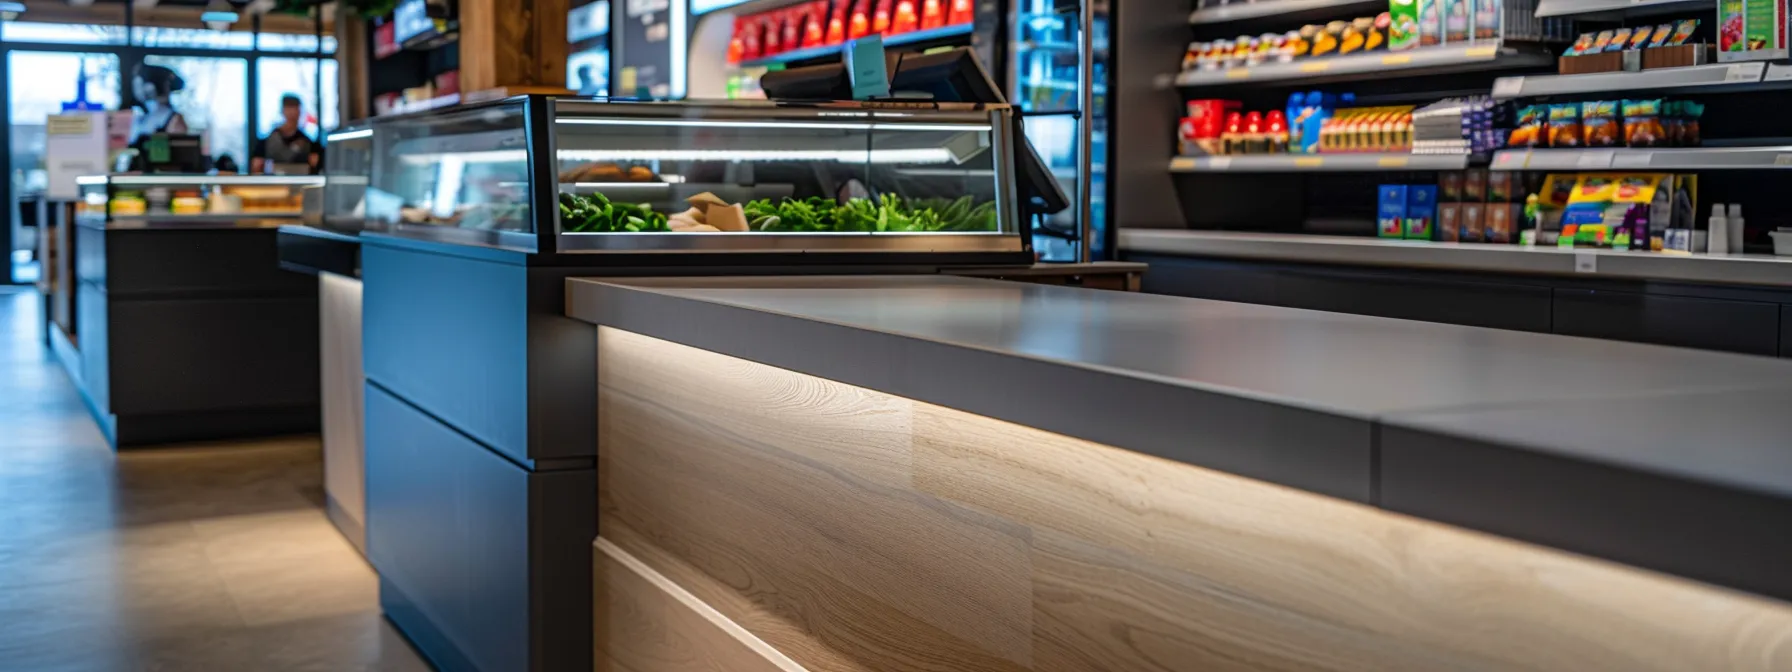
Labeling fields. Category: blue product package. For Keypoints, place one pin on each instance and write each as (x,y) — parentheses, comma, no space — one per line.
(1390,211)
(1421,211)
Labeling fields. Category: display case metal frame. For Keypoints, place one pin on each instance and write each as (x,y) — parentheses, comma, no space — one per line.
(542,116)
(108,186)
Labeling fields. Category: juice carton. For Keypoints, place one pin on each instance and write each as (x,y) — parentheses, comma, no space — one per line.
(1403,26)
(1456,20)
(1431,23)
(1421,211)
(1487,19)
(1390,211)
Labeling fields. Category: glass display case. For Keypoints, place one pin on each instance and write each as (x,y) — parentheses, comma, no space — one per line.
(591,176)
(348,167)
(123,201)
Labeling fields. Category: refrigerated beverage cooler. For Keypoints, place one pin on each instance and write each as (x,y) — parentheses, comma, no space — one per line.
(1059,81)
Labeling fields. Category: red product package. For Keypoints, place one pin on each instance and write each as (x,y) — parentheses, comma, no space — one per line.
(748,29)
(836,19)
(771,33)
(793,26)
(963,11)
(860,23)
(880,18)
(817,26)
(932,14)
(904,19)
(736,45)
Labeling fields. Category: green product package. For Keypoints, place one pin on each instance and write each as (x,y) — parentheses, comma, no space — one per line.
(1403,28)
(1751,30)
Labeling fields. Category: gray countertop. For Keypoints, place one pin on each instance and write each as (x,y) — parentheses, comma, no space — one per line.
(1340,404)
(1742,269)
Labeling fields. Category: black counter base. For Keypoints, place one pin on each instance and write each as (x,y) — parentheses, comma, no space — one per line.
(1727,318)
(132,431)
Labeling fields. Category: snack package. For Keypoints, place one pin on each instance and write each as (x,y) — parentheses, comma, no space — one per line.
(1449,222)
(1600,42)
(1529,131)
(1642,124)
(1688,134)
(1582,45)
(1487,19)
(1355,34)
(1639,38)
(1620,40)
(1378,32)
(1191,58)
(1390,211)
(1474,185)
(1264,48)
(1473,222)
(1682,32)
(1242,48)
(1499,187)
(1403,24)
(1294,46)
(1659,38)
(1501,222)
(1421,211)
(1564,125)
(1326,41)
(1617,210)
(1431,26)
(1599,123)
(1456,20)
(1449,187)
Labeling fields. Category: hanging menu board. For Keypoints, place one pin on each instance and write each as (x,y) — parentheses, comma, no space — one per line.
(644,49)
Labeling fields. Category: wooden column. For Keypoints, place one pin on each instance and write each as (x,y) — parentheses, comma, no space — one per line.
(512,46)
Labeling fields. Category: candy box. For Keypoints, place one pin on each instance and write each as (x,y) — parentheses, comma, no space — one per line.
(1390,211)
(1421,211)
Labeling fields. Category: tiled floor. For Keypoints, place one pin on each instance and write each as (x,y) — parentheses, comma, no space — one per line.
(192,558)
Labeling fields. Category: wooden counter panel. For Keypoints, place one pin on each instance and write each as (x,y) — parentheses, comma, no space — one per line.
(853,530)
(646,623)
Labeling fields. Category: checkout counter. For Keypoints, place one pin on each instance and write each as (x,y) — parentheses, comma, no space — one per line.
(171,315)
(595,443)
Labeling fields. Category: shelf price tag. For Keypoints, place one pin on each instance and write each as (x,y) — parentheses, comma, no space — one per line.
(1396,59)
(1182,163)
(1508,87)
(1782,160)
(1594,160)
(1631,160)
(1238,73)
(1742,72)
(1484,51)
(1220,162)
(1586,262)
(1321,66)
(1392,162)
(1309,162)
(865,67)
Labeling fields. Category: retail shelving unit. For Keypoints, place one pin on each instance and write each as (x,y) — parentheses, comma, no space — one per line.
(1712,78)
(1294,163)
(1635,158)
(1618,9)
(1373,65)
(1281,9)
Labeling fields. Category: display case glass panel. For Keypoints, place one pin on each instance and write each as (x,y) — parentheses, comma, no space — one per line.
(348,169)
(155,200)
(745,176)
(459,175)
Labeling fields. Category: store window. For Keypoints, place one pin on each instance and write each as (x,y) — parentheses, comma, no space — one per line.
(280,77)
(193,38)
(299,43)
(45,83)
(60,33)
(214,102)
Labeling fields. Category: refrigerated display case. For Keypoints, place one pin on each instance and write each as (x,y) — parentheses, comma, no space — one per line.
(590,176)
(1058,80)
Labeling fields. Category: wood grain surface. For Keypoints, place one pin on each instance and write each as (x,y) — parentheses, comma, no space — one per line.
(854,530)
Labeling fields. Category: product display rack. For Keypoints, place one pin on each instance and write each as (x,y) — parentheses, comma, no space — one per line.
(1618,9)
(1282,9)
(1374,65)
(1293,163)
(1635,158)
(1691,79)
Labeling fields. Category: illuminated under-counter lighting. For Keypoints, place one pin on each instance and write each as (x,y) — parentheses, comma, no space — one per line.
(923,155)
(349,135)
(729,123)
(617,185)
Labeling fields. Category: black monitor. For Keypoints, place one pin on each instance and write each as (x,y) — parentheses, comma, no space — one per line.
(182,153)
(954,76)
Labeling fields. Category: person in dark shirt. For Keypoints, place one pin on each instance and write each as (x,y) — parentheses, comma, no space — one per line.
(287,146)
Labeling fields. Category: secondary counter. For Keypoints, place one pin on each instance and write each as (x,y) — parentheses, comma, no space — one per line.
(1734,303)
(1017,419)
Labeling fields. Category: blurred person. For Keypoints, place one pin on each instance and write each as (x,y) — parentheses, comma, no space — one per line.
(287,149)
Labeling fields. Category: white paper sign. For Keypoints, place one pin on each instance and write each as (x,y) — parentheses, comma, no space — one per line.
(74,145)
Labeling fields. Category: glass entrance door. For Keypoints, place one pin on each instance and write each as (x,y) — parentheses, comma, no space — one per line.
(40,84)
